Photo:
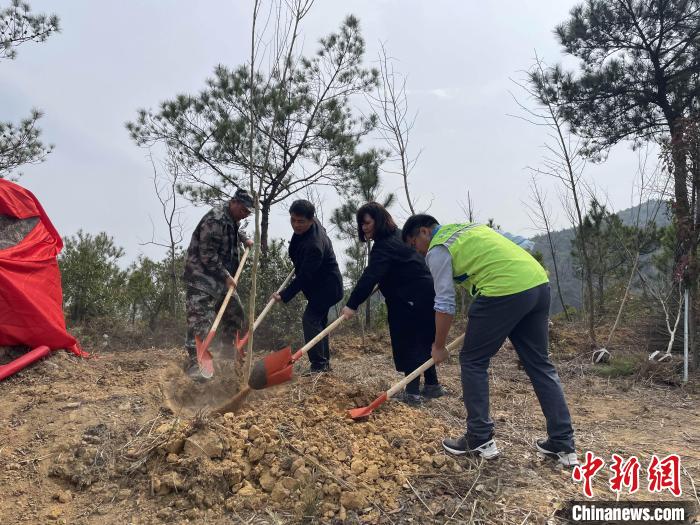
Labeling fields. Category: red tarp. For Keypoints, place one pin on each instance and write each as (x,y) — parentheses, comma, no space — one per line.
(31,299)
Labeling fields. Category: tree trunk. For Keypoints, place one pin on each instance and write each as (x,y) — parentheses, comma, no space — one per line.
(587,280)
(685,223)
(624,300)
(173,283)
(264,227)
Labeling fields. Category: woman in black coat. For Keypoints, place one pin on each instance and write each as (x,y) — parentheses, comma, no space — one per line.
(406,283)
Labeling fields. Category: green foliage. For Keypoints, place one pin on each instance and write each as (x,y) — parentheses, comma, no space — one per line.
(93,283)
(638,80)
(539,257)
(19,143)
(639,64)
(153,292)
(147,294)
(619,366)
(18,25)
(612,247)
(303,116)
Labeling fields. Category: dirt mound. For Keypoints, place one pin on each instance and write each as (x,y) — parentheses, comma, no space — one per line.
(99,441)
(296,452)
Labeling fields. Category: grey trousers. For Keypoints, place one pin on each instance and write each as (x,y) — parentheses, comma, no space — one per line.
(524,319)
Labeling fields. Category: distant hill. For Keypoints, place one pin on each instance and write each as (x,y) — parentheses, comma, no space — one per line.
(570,284)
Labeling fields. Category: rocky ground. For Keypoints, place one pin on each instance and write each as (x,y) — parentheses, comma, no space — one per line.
(126,439)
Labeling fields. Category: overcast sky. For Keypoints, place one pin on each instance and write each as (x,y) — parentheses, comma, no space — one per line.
(113,58)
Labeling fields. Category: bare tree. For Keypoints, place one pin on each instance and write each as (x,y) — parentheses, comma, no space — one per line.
(287,18)
(564,160)
(395,122)
(647,190)
(468,208)
(165,187)
(540,216)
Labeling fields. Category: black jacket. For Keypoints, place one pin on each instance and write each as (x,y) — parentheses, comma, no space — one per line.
(316,271)
(406,283)
(401,272)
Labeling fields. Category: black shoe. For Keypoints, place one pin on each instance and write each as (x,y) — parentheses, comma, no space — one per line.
(433,391)
(564,455)
(486,448)
(414,400)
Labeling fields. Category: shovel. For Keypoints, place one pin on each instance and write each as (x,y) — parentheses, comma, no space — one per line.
(275,368)
(241,342)
(362,412)
(204,358)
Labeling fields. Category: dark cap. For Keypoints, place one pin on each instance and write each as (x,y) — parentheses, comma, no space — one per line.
(244,198)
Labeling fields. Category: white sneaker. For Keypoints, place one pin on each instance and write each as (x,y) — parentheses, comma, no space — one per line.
(461,445)
(566,457)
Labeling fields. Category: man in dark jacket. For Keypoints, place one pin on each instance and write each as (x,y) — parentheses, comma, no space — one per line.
(316,275)
(212,260)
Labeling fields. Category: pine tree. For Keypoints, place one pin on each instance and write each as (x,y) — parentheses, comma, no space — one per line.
(20,143)
(304,116)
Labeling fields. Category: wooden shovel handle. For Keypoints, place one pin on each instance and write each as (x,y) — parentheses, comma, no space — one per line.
(327,330)
(271,302)
(299,353)
(422,368)
(230,291)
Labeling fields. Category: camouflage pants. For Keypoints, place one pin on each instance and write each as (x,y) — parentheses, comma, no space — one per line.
(201,312)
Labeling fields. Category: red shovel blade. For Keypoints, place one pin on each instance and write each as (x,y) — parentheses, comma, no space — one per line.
(277,361)
(273,369)
(362,412)
(240,343)
(204,358)
(281,376)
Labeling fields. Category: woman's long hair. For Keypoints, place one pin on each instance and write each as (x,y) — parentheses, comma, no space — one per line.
(383,222)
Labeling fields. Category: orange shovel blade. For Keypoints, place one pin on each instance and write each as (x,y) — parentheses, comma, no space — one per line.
(240,343)
(204,358)
(362,412)
(281,376)
(273,369)
(277,361)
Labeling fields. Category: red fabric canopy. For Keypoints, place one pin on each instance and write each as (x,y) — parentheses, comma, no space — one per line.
(31,299)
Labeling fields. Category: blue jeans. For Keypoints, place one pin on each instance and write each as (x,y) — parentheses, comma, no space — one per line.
(524,319)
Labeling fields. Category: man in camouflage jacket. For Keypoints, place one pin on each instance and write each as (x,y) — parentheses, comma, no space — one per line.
(212,260)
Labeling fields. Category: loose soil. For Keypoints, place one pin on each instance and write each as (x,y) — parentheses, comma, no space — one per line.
(126,438)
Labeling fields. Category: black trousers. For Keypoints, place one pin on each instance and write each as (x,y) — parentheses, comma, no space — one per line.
(523,318)
(314,320)
(429,376)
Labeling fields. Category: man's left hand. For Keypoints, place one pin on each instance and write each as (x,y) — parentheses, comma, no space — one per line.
(439,354)
(249,243)
(347,313)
